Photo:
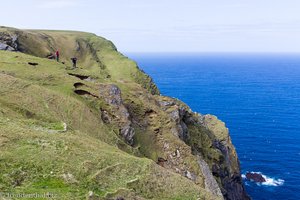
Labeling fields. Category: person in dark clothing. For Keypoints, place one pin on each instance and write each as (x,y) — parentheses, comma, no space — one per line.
(57,55)
(74,61)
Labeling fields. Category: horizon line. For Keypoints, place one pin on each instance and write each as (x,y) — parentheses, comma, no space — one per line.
(210,52)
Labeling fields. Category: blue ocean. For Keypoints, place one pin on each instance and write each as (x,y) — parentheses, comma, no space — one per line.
(256,95)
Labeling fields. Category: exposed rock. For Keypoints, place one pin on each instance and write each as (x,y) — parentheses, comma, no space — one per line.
(119,114)
(210,182)
(256,177)
(114,95)
(166,103)
(127,132)
(78,46)
(227,169)
(92,196)
(111,94)
(166,146)
(208,136)
(175,115)
(69,178)
(233,187)
(183,131)
(190,175)
(177,153)
(5,47)
(106,118)
(178,114)
(161,161)
(8,42)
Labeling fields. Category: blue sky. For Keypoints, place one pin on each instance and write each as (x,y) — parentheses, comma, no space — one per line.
(168,25)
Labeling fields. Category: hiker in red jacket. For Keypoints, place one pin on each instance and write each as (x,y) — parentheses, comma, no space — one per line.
(57,55)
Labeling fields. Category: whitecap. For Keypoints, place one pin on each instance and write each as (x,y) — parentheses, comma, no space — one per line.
(272,181)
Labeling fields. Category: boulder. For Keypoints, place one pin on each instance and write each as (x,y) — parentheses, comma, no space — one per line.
(8,42)
(5,47)
(256,177)
(127,132)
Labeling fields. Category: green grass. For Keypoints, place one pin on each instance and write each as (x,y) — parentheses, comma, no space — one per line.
(53,140)
(36,161)
(36,155)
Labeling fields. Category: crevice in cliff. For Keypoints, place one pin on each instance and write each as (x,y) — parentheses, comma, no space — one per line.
(81,77)
(84,92)
(78,84)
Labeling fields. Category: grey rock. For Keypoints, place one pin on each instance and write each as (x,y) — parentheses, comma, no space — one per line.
(166,103)
(14,43)
(190,175)
(8,42)
(179,116)
(127,132)
(106,118)
(185,133)
(114,90)
(5,47)
(175,131)
(175,115)
(210,182)
(234,189)
(118,113)
(226,168)
(92,196)
(115,95)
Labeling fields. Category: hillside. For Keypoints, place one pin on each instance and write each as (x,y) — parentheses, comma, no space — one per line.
(102,130)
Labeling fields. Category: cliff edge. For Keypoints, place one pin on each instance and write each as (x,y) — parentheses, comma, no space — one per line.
(102,130)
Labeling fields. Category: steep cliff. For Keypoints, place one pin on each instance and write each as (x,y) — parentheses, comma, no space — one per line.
(102,131)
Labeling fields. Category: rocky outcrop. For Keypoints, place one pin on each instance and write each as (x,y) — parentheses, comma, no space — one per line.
(119,113)
(209,139)
(6,47)
(256,177)
(210,181)
(227,169)
(8,42)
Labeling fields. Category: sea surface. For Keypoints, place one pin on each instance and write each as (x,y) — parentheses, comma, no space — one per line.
(256,95)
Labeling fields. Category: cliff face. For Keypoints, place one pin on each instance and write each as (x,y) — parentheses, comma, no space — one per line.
(102,131)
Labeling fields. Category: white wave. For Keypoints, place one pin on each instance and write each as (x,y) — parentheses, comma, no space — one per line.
(269,181)
(272,181)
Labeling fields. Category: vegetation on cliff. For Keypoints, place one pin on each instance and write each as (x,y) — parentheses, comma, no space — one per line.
(102,131)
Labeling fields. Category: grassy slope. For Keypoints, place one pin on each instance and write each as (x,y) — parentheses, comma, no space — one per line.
(38,156)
